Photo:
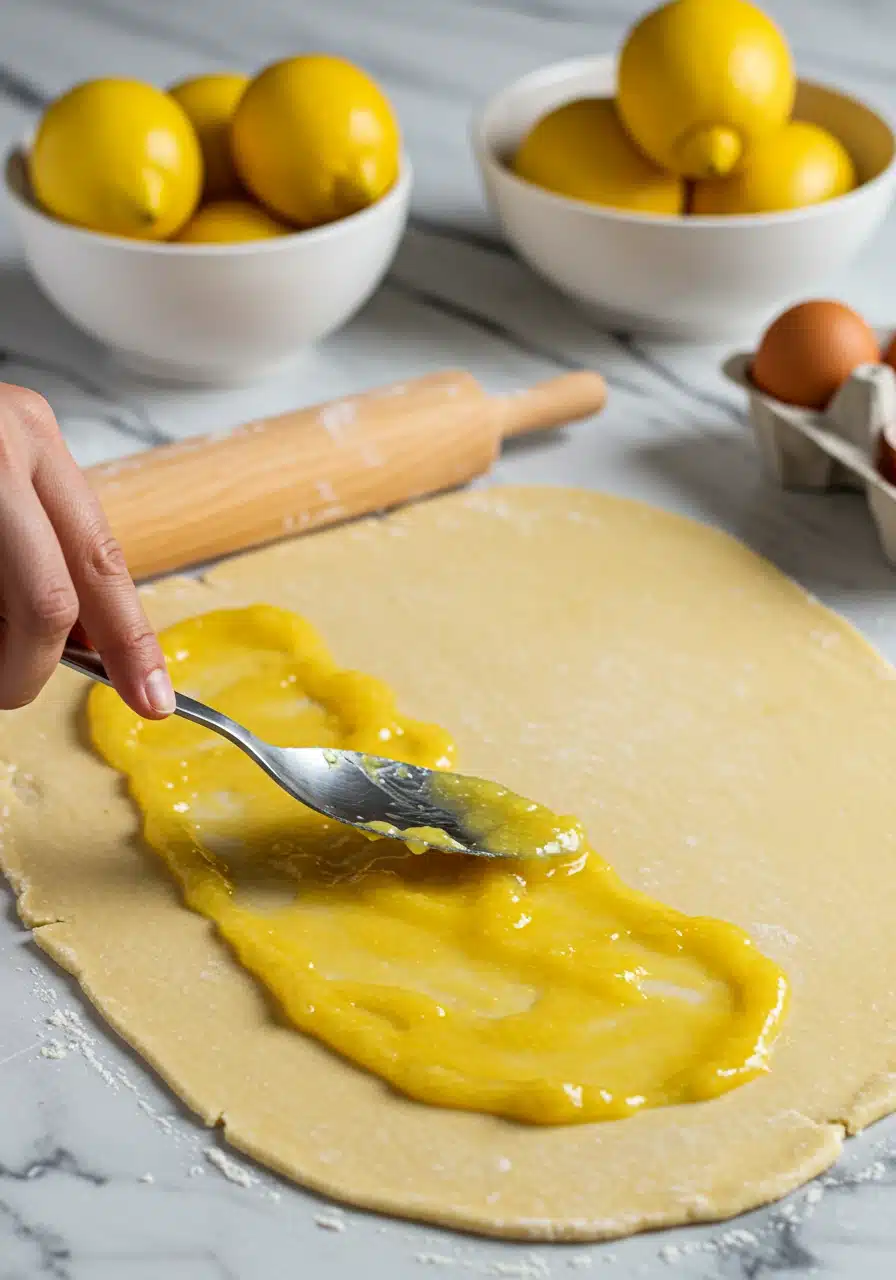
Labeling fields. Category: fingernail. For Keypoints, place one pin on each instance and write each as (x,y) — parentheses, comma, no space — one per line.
(159,691)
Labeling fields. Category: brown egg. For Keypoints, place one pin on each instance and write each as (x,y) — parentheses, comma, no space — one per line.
(808,352)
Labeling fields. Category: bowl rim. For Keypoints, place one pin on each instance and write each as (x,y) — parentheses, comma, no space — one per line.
(570,68)
(395,196)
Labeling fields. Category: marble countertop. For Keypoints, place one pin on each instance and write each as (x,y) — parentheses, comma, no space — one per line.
(102,1175)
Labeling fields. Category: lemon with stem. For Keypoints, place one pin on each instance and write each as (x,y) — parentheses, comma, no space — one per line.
(701,82)
(315,139)
(118,156)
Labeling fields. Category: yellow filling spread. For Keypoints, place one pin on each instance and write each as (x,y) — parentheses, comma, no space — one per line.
(544,989)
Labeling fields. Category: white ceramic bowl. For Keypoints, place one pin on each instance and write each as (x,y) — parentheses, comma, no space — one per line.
(677,276)
(211,314)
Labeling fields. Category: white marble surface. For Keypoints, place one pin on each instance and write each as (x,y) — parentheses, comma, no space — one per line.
(102,1175)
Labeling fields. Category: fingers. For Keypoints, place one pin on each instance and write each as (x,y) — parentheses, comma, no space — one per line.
(39,604)
(58,560)
(110,607)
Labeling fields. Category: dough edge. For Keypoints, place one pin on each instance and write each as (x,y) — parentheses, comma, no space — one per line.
(827,1144)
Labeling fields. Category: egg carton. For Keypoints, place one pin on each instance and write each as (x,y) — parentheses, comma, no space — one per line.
(831,449)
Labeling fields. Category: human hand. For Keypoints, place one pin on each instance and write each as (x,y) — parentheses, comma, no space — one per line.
(59,564)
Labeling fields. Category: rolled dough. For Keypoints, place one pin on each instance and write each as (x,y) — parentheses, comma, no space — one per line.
(729,744)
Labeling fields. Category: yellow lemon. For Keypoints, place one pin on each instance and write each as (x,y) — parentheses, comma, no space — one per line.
(210,102)
(117,156)
(226,221)
(701,82)
(582,151)
(801,164)
(315,139)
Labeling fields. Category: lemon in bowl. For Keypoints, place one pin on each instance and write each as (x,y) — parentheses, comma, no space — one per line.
(581,150)
(799,165)
(209,103)
(231,222)
(700,82)
(118,156)
(315,139)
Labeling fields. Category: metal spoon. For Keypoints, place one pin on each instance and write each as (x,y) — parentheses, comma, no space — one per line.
(381,796)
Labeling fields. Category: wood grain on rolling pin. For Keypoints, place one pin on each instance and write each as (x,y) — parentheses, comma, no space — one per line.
(206,497)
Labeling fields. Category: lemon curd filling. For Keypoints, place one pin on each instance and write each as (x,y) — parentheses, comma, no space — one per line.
(542,989)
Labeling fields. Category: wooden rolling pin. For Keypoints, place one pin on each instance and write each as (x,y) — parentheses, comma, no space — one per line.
(189,503)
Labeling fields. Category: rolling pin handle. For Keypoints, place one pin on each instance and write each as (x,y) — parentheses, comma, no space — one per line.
(567,398)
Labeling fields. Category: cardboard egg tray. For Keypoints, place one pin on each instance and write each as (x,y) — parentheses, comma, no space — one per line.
(833,449)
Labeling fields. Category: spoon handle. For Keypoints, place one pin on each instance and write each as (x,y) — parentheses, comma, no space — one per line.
(89,663)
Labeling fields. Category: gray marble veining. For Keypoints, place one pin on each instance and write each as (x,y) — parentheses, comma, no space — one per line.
(102,1175)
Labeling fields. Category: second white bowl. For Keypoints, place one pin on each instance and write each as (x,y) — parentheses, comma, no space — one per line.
(677,276)
(210,313)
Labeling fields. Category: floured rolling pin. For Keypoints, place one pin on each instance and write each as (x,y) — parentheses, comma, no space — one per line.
(192,502)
